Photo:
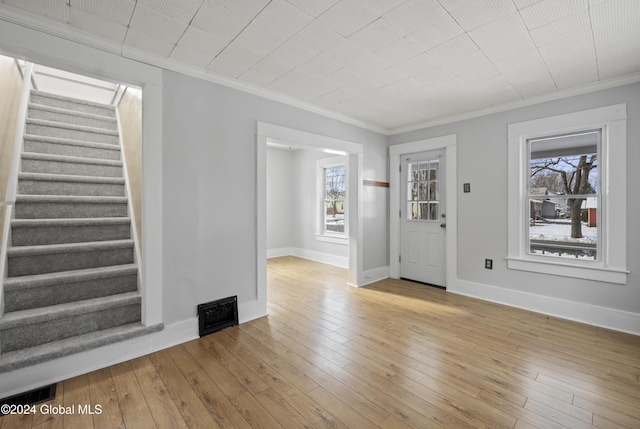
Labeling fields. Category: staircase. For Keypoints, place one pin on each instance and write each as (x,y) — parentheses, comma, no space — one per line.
(72,281)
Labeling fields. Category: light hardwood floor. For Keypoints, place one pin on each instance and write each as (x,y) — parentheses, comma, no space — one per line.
(392,355)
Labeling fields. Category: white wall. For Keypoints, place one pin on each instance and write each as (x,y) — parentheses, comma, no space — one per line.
(482,218)
(210,187)
(280,208)
(199,171)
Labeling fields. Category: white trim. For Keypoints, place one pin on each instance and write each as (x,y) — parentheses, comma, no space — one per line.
(31,377)
(56,29)
(277,253)
(375,275)
(613,218)
(531,101)
(266,133)
(328,238)
(325,258)
(449,144)
(321,165)
(604,317)
(38,23)
(248,311)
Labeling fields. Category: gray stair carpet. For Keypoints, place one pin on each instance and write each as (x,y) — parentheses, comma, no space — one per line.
(72,280)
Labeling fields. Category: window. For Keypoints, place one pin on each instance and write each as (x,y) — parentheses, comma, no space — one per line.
(566,202)
(423,188)
(334,193)
(563,195)
(332,180)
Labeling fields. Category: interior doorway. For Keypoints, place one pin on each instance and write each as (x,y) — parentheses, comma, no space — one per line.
(300,140)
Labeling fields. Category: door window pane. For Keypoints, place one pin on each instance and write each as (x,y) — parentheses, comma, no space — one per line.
(423,189)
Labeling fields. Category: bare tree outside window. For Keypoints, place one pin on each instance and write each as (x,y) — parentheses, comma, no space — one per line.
(564,195)
(334,198)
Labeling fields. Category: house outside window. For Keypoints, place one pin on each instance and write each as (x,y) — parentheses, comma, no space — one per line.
(567,195)
(563,176)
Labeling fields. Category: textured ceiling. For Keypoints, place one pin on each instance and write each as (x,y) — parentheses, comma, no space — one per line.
(391,65)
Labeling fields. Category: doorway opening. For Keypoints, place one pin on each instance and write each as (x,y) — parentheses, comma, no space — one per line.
(305,152)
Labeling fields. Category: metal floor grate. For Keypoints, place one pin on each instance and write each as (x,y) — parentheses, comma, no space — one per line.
(32,397)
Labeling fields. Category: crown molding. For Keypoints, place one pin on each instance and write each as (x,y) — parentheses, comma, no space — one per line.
(558,95)
(64,31)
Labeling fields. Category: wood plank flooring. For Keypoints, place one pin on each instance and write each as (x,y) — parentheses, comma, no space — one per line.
(392,355)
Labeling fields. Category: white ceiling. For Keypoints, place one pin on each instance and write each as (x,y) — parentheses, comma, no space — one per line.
(390,65)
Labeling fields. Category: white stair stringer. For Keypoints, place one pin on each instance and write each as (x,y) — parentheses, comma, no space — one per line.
(72,280)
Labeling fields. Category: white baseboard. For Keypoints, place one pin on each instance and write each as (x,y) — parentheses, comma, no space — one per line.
(325,258)
(604,317)
(53,371)
(374,275)
(276,253)
(248,311)
(312,255)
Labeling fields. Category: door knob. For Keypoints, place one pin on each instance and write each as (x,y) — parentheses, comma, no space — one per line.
(443,225)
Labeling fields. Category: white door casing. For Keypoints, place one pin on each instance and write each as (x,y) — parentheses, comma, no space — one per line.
(396,152)
(423,218)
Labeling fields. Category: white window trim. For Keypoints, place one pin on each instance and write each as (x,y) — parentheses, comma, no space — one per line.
(613,165)
(321,234)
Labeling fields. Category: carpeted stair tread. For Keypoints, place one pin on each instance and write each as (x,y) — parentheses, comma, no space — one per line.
(69,206)
(70,178)
(61,110)
(63,311)
(89,221)
(68,248)
(71,142)
(70,159)
(43,280)
(55,100)
(73,127)
(44,231)
(43,290)
(70,165)
(45,352)
(69,199)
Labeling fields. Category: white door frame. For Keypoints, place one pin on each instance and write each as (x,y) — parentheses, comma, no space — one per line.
(292,137)
(396,152)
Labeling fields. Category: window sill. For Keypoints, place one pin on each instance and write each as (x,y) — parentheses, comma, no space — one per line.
(344,241)
(602,274)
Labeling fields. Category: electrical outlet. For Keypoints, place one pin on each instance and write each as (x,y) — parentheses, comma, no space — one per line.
(488,264)
(466,187)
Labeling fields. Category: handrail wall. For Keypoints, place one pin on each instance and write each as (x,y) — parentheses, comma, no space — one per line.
(12,185)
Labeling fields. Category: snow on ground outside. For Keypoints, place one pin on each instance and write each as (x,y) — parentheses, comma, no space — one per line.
(561,232)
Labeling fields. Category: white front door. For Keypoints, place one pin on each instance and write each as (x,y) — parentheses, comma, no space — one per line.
(423,218)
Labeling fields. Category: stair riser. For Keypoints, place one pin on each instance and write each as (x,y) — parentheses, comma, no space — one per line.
(72,168)
(70,105)
(27,298)
(34,236)
(46,131)
(50,210)
(43,187)
(25,265)
(39,333)
(70,150)
(72,119)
